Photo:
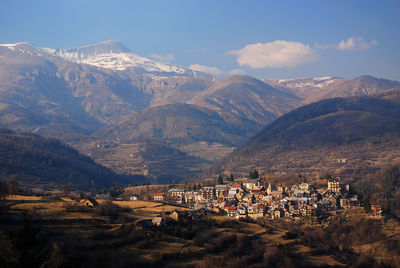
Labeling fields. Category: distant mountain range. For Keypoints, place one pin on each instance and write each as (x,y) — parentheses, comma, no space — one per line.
(139,116)
(315,89)
(344,136)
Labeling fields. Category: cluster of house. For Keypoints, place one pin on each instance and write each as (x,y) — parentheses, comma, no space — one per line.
(250,199)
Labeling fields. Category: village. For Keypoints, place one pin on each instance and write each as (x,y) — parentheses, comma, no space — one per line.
(250,200)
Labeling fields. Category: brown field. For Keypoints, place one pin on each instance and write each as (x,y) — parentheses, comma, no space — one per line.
(23,197)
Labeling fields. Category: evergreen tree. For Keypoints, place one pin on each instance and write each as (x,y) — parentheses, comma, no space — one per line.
(220,179)
(253,174)
(231,178)
(3,190)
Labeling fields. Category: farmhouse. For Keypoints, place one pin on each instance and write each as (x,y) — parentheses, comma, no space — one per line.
(134,197)
(90,202)
(158,221)
(158,197)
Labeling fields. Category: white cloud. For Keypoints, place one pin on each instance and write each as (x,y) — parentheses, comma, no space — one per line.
(277,54)
(236,71)
(352,43)
(355,43)
(206,69)
(167,57)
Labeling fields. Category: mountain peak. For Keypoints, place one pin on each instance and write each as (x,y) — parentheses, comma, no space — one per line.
(20,46)
(110,46)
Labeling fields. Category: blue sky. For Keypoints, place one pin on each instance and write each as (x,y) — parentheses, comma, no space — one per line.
(265,39)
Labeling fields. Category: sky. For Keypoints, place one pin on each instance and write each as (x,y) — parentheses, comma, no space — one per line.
(265,39)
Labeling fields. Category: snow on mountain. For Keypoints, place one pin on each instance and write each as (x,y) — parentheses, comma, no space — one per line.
(22,47)
(110,55)
(114,55)
(311,83)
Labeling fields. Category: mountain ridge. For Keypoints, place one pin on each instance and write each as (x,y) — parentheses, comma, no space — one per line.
(315,138)
(51,96)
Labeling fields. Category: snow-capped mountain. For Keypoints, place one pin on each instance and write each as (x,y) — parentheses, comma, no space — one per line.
(22,47)
(115,56)
(314,89)
(319,82)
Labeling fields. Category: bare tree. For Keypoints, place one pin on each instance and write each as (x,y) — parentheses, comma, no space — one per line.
(12,187)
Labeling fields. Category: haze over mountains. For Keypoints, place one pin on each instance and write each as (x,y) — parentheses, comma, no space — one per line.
(140,116)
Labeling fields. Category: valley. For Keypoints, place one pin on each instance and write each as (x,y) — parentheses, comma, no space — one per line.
(139,116)
(199,134)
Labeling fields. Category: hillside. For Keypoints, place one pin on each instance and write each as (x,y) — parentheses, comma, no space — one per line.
(343,136)
(236,97)
(46,162)
(152,158)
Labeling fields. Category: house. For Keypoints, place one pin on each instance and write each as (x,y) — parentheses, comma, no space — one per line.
(298,193)
(157,221)
(241,212)
(256,211)
(277,194)
(258,188)
(349,202)
(158,197)
(175,192)
(175,215)
(90,202)
(235,189)
(221,190)
(207,193)
(295,187)
(250,184)
(316,197)
(305,187)
(376,210)
(306,211)
(231,211)
(134,197)
(198,197)
(249,198)
(188,197)
(324,205)
(303,200)
(334,186)
(278,213)
(282,188)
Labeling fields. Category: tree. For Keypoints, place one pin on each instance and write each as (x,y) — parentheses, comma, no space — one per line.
(367,204)
(65,188)
(3,190)
(253,174)
(231,178)
(12,187)
(55,257)
(220,179)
